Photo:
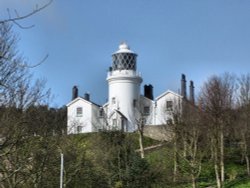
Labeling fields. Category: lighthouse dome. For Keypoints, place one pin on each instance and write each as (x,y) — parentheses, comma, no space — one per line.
(124,58)
(124,48)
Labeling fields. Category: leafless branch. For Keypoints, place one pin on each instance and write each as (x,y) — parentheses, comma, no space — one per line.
(37,64)
(18,17)
(26,65)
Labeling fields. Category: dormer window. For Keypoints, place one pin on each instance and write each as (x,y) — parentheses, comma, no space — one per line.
(79,111)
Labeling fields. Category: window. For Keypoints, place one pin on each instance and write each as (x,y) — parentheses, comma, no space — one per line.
(169,105)
(79,129)
(146,110)
(123,124)
(79,111)
(113,100)
(134,103)
(101,112)
(114,122)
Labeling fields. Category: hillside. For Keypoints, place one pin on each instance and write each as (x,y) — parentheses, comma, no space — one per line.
(118,149)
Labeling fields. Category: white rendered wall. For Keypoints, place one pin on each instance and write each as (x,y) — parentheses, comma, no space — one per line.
(98,122)
(145,102)
(124,87)
(162,115)
(85,121)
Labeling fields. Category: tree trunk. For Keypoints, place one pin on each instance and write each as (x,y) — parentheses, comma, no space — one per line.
(184,145)
(193,181)
(216,168)
(184,148)
(175,160)
(218,181)
(222,167)
(246,154)
(248,168)
(141,143)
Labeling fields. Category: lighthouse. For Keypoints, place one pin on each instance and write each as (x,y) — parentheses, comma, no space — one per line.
(126,107)
(124,89)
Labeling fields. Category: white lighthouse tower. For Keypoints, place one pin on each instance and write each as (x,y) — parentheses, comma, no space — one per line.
(124,89)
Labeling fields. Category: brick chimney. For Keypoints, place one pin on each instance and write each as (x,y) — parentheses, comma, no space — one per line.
(183,86)
(74,92)
(191,92)
(148,91)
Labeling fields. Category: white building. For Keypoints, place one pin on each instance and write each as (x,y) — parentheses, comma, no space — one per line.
(125,106)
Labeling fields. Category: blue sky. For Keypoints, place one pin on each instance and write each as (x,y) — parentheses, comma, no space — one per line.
(198,38)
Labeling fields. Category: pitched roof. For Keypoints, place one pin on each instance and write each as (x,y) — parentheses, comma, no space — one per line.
(142,96)
(118,112)
(167,92)
(121,114)
(82,99)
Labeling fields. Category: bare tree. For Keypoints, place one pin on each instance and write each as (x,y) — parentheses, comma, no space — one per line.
(188,141)
(217,99)
(192,134)
(243,126)
(14,18)
(16,87)
(18,91)
(140,122)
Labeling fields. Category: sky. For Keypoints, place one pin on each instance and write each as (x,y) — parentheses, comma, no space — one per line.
(171,37)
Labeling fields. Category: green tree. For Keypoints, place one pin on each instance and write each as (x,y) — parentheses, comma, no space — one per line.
(115,155)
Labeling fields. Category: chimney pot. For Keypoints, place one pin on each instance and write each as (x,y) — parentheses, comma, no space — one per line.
(87,96)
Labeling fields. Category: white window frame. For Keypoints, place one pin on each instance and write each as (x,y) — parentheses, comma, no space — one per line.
(79,129)
(79,111)
(146,110)
(114,122)
(101,112)
(169,105)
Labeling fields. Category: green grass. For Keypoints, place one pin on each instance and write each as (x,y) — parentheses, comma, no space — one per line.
(88,139)
(244,185)
(238,183)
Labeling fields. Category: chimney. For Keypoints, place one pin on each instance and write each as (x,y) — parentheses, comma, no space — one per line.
(74,92)
(191,92)
(148,91)
(183,86)
(86,96)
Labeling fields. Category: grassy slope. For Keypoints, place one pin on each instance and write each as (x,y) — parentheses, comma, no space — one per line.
(161,158)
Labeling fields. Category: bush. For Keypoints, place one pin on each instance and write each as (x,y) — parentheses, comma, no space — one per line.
(207,172)
(234,171)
